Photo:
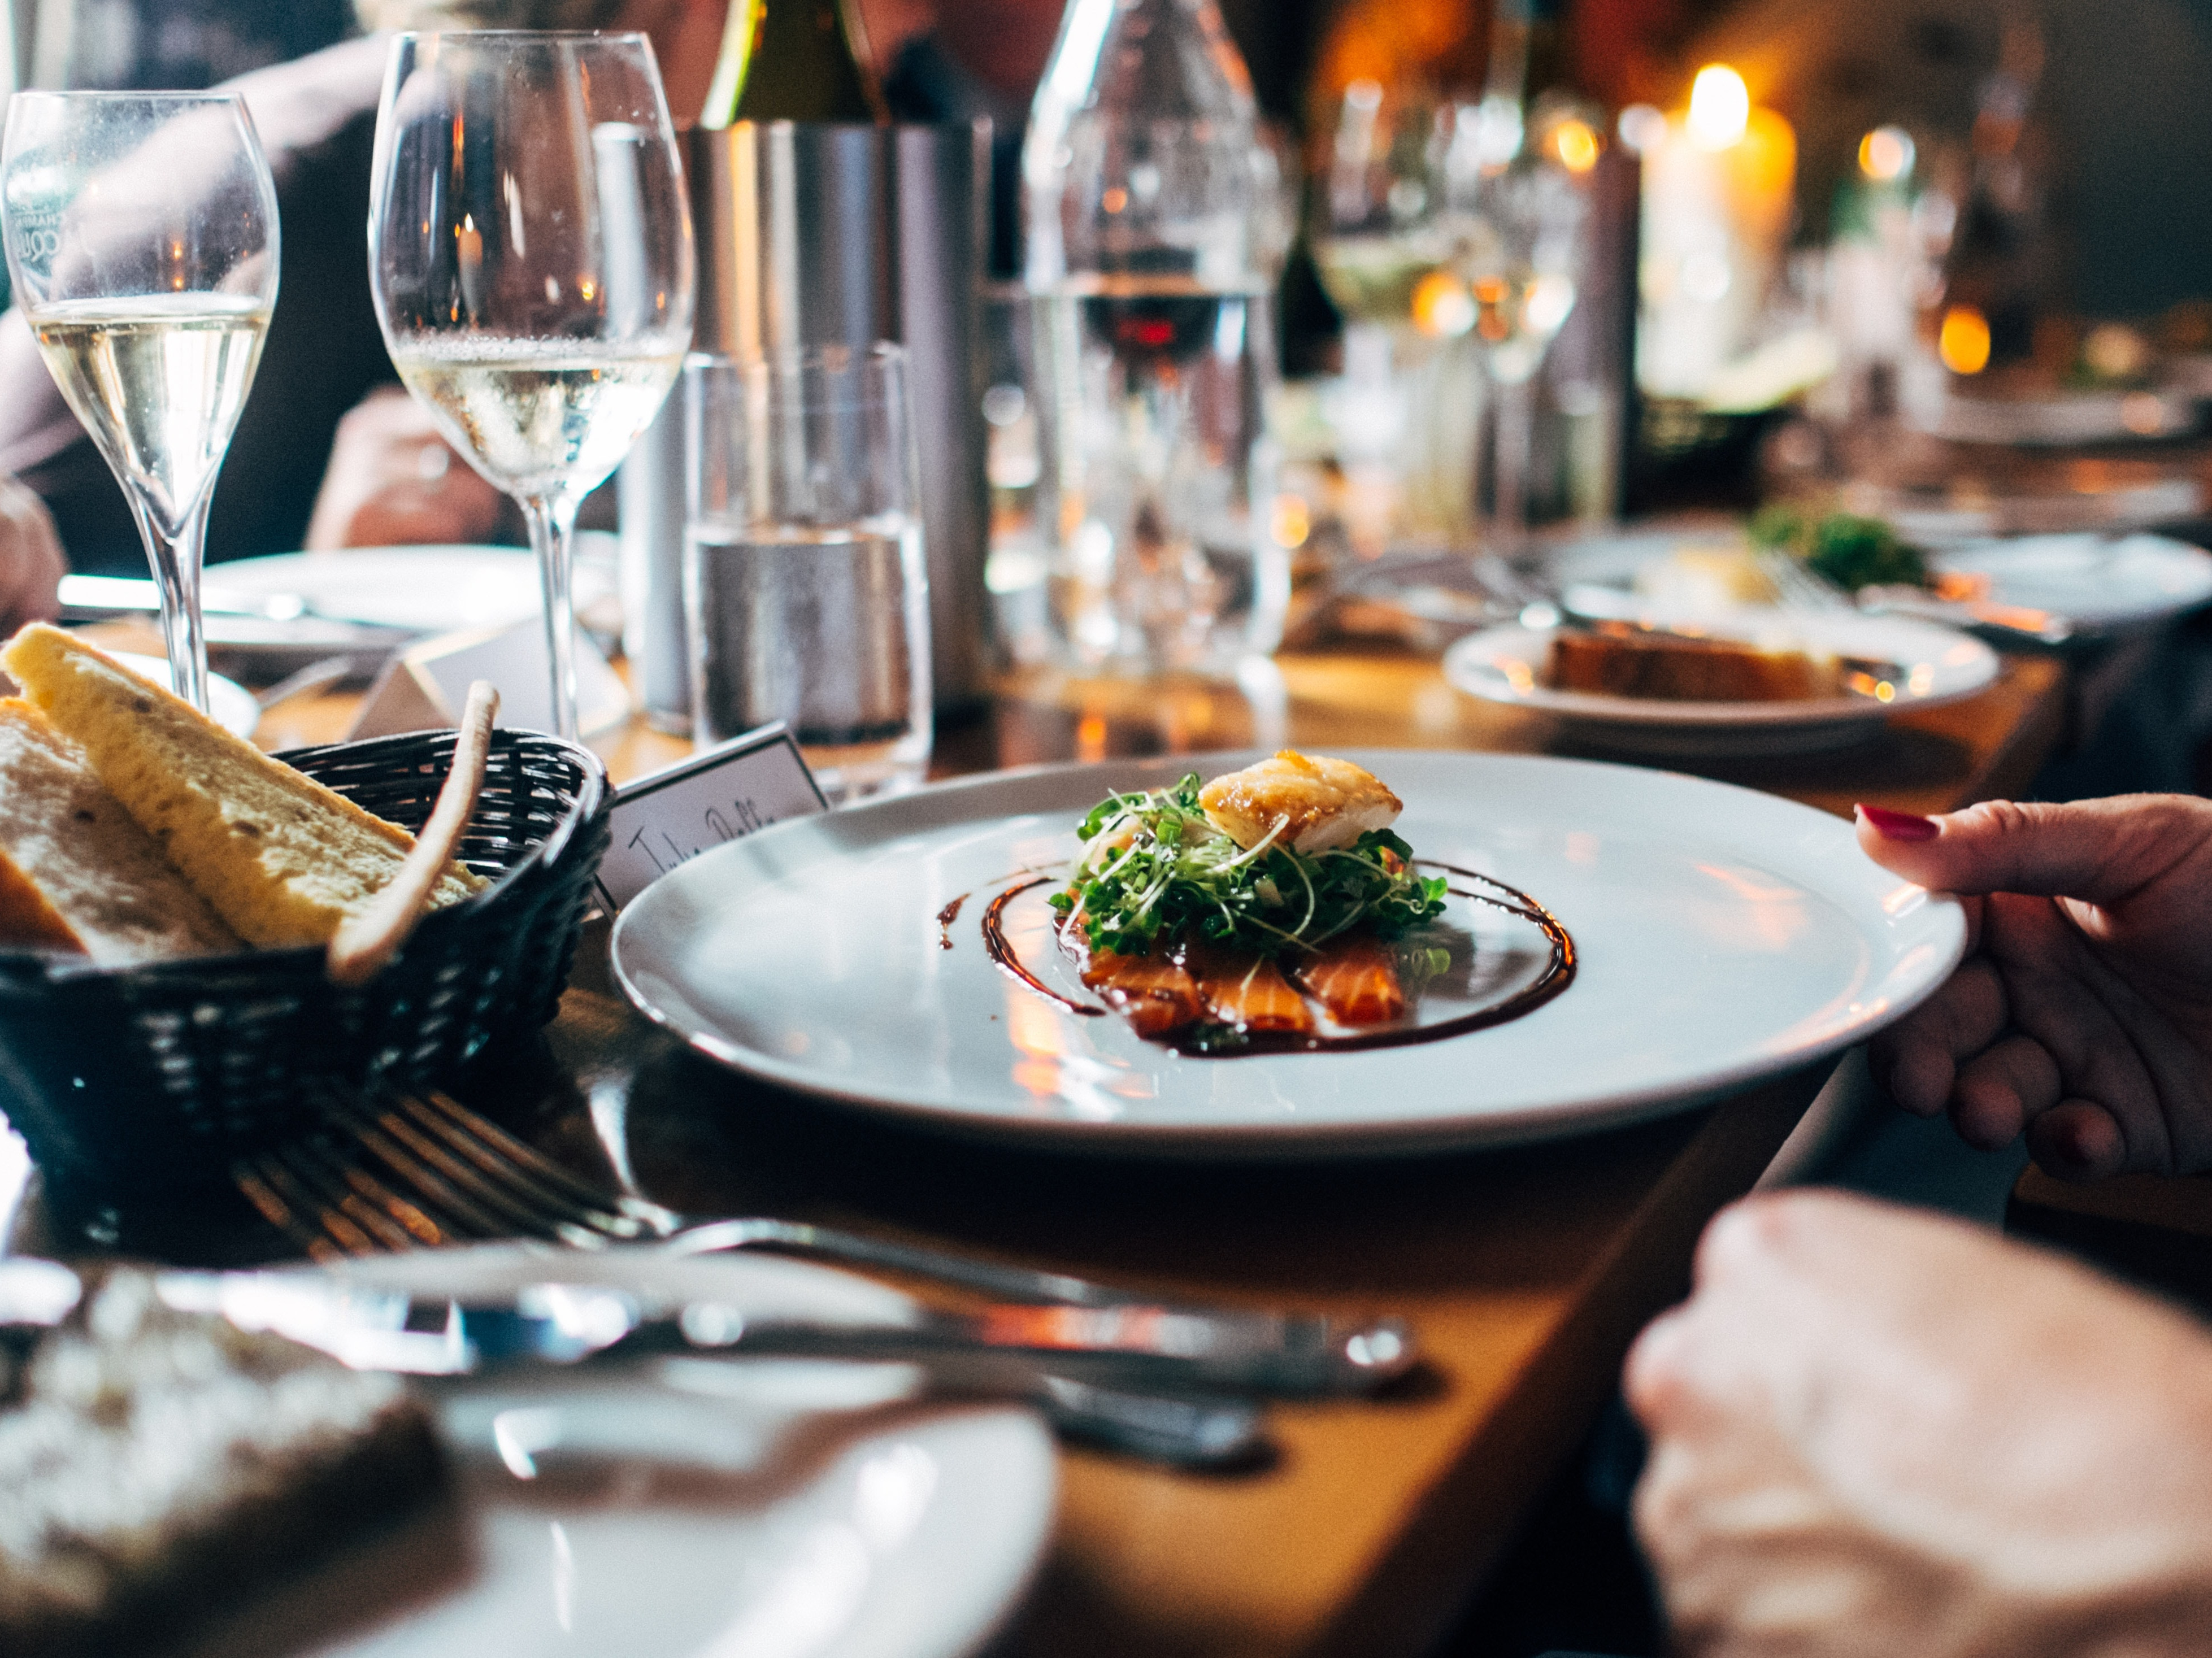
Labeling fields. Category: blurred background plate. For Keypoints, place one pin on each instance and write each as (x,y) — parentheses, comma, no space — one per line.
(421,589)
(1508,665)
(2101,583)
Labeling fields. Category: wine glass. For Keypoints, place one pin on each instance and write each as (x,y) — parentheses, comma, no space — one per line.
(1385,234)
(1521,262)
(530,252)
(141,240)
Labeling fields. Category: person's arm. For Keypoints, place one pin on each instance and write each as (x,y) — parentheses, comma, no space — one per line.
(2083,1012)
(1879,1432)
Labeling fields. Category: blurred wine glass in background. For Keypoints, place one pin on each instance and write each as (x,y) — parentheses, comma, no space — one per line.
(1523,260)
(1387,236)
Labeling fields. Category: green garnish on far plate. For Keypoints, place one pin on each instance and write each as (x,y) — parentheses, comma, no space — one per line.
(1157,868)
(1851,551)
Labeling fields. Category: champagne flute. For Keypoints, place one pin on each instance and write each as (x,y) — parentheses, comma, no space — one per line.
(141,240)
(530,253)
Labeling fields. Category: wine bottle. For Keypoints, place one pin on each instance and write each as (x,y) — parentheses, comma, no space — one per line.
(794,60)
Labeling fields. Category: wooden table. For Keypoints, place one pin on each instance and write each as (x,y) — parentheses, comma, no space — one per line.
(1526,1272)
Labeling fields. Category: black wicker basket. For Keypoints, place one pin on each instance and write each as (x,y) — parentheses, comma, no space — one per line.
(144,1076)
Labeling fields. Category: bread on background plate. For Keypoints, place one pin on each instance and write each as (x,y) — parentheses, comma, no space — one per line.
(281,858)
(76,872)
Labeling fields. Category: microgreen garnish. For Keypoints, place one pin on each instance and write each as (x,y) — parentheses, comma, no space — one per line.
(1157,868)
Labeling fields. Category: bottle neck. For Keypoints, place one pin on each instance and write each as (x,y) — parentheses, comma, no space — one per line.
(794,60)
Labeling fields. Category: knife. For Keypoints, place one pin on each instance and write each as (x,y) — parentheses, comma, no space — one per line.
(370,1331)
(1141,1347)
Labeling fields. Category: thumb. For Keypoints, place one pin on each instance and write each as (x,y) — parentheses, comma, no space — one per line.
(2101,852)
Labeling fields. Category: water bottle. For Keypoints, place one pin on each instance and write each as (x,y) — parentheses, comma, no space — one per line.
(1152,249)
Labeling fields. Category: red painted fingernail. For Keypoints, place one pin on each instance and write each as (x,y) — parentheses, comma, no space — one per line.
(1900,825)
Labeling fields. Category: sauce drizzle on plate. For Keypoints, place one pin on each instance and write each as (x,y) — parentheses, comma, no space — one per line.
(1214,1043)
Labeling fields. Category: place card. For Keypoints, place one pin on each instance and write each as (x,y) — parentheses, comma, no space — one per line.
(670,817)
(425,686)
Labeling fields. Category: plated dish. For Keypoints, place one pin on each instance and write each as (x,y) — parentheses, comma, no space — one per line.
(1921,665)
(1719,935)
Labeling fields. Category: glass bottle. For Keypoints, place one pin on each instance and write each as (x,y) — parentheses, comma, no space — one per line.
(1150,255)
(794,60)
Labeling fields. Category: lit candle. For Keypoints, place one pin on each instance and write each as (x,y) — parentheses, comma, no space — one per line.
(1718,183)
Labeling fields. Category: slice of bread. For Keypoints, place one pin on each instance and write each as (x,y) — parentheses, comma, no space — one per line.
(281,858)
(76,872)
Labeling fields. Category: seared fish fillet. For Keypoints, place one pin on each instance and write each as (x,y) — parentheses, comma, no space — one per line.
(1322,803)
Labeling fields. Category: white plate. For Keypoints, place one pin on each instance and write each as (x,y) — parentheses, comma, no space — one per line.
(229,704)
(1723,935)
(2057,419)
(777,1509)
(424,589)
(2098,582)
(1508,665)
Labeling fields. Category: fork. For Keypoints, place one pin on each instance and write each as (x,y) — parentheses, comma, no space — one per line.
(451,1175)
(461,1176)
(1799,589)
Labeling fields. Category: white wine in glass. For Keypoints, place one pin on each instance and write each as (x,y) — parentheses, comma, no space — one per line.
(530,253)
(149,298)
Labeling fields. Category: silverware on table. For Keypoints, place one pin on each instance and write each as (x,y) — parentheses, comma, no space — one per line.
(417,1171)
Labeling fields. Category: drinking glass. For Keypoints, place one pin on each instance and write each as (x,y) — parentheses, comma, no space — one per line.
(530,253)
(142,241)
(1521,262)
(806,586)
(1386,235)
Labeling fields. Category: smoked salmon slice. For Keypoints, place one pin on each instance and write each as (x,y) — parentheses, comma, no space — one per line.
(1151,991)
(1356,979)
(1246,992)
(1154,994)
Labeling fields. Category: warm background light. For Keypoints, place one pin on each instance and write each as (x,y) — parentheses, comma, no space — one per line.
(1886,154)
(1576,144)
(1963,343)
(1720,107)
(1442,308)
(1641,128)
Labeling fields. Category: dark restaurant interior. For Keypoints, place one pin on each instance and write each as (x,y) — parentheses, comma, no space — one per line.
(967,828)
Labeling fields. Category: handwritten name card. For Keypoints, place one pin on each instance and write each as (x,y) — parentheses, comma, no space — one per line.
(671,817)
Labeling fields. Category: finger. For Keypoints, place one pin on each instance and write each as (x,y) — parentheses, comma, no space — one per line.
(2098,851)
(1918,1057)
(2078,1141)
(1653,1377)
(2003,1089)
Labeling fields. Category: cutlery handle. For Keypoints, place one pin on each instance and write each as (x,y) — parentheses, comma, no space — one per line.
(1144,1348)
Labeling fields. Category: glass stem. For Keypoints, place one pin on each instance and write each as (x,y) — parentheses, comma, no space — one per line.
(175,559)
(552,521)
(1509,513)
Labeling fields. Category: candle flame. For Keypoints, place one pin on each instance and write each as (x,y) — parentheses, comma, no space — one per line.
(1720,107)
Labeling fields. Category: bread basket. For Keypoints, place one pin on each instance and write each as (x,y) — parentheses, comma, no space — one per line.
(149,1076)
